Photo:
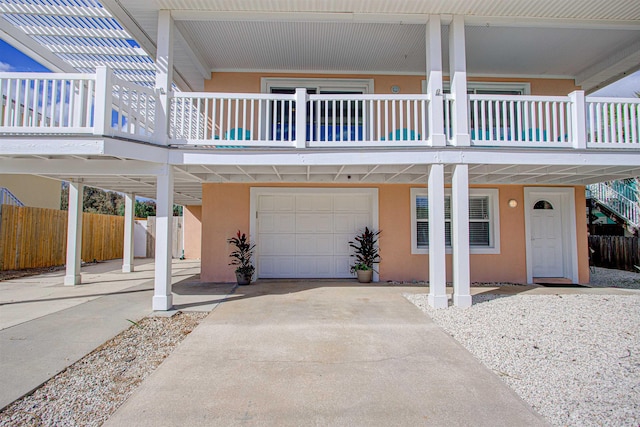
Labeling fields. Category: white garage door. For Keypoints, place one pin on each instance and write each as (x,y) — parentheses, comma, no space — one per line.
(307,235)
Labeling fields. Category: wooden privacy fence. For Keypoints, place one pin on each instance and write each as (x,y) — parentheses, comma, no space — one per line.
(621,253)
(36,237)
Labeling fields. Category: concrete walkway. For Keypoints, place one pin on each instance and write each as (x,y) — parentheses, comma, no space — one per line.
(318,353)
(46,326)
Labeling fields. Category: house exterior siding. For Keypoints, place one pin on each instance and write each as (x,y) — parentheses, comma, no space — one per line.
(192,231)
(226,208)
(247,82)
(34,191)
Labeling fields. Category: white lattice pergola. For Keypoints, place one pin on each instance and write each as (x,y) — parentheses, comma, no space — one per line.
(78,36)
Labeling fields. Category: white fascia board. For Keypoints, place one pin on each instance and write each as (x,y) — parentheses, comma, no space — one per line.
(66,146)
(50,146)
(135,151)
(196,57)
(69,167)
(382,157)
(16,38)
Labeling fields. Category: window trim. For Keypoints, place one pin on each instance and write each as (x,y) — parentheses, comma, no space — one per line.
(494,221)
(524,87)
(320,84)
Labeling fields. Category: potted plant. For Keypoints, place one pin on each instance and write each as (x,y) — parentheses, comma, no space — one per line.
(365,248)
(241,258)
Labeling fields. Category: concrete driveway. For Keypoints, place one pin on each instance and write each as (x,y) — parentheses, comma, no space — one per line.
(319,353)
(46,326)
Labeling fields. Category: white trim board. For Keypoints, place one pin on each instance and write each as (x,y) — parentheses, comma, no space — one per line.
(365,85)
(570,242)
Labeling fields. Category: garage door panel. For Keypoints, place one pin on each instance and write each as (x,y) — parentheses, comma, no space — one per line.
(276,203)
(314,244)
(343,223)
(314,223)
(360,221)
(314,203)
(341,244)
(306,266)
(277,244)
(276,267)
(277,223)
(352,203)
(315,266)
(342,266)
(324,266)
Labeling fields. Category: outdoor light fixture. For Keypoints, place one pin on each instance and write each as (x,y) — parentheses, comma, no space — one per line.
(513,203)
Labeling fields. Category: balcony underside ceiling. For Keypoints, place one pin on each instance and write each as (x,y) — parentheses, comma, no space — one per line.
(591,41)
(132,176)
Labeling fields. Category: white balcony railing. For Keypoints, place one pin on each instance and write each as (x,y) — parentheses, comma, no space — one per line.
(520,121)
(232,119)
(101,104)
(367,120)
(613,122)
(75,104)
(36,103)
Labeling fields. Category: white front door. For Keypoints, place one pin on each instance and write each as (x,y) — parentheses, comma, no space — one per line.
(546,237)
(306,235)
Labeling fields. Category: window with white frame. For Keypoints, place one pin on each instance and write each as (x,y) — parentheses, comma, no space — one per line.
(483,221)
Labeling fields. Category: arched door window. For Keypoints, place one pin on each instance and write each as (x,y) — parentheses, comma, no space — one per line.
(543,204)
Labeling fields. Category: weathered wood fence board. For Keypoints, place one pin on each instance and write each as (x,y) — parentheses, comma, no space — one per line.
(36,237)
(621,253)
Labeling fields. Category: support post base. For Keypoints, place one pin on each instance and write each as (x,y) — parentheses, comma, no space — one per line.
(438,301)
(162,302)
(462,301)
(127,268)
(72,280)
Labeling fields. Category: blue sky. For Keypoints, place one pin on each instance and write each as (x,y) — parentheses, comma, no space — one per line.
(12,59)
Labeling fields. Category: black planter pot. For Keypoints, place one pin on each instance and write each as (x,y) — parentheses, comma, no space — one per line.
(242,279)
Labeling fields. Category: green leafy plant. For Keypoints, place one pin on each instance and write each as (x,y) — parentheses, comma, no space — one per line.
(365,250)
(242,254)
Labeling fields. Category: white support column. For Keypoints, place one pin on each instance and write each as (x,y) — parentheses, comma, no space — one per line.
(434,81)
(162,298)
(578,119)
(164,73)
(301,118)
(74,234)
(437,263)
(129,214)
(458,75)
(460,237)
(104,101)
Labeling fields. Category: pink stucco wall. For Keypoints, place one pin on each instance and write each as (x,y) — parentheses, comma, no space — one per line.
(225,209)
(192,232)
(250,82)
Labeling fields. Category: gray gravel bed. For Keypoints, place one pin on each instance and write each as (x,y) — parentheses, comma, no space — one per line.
(90,390)
(609,278)
(574,358)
